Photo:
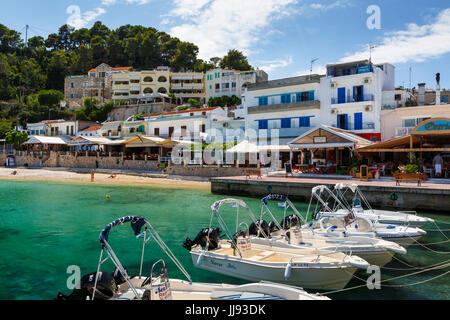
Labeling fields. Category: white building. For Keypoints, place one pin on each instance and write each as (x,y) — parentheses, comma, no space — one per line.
(291,106)
(90,132)
(53,128)
(223,82)
(351,96)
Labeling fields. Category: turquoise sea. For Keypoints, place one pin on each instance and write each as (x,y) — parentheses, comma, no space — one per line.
(46,227)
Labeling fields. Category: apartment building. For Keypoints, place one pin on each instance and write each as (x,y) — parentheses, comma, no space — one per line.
(53,128)
(291,106)
(149,85)
(223,82)
(351,96)
(95,84)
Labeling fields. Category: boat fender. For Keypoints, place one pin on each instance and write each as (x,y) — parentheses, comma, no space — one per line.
(390,227)
(331,229)
(287,271)
(200,259)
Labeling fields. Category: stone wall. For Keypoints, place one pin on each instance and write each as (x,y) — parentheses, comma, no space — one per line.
(81,161)
(205,171)
(121,113)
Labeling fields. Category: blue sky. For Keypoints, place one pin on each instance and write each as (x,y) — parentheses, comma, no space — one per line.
(280,36)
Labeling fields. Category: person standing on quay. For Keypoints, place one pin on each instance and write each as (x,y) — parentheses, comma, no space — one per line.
(92,175)
(437,163)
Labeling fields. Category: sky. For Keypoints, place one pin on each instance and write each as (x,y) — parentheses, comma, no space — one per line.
(278,36)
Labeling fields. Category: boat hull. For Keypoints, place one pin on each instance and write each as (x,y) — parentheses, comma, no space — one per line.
(302,275)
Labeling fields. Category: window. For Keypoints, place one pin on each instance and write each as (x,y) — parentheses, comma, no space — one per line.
(263,101)
(398,97)
(203,128)
(444,99)
(304,122)
(141,129)
(409,123)
(217,86)
(72,85)
(183,131)
(162,79)
(263,124)
(285,98)
(156,131)
(225,85)
(286,123)
(148,79)
(233,84)
(170,131)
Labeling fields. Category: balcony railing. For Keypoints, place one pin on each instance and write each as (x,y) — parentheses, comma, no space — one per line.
(353,99)
(351,126)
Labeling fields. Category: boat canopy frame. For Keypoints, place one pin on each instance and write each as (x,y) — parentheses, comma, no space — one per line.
(215,207)
(137,223)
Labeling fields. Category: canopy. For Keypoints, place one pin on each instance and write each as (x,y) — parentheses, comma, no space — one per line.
(283,148)
(136,225)
(244,147)
(143,141)
(111,125)
(279,197)
(47,140)
(90,140)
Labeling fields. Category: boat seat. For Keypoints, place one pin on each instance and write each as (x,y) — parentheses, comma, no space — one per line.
(262,255)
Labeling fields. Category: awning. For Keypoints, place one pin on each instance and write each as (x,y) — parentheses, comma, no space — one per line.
(143,141)
(111,126)
(90,140)
(170,143)
(281,148)
(47,140)
(244,147)
(133,124)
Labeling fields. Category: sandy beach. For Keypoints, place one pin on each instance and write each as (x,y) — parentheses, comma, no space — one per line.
(100,178)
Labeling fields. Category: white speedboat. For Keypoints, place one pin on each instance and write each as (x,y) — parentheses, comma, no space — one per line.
(332,208)
(353,199)
(158,286)
(290,234)
(239,257)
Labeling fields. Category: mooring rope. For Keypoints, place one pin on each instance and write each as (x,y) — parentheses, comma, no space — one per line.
(422,245)
(394,278)
(411,267)
(440,230)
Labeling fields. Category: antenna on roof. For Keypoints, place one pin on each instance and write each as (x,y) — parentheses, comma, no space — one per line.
(371,46)
(310,72)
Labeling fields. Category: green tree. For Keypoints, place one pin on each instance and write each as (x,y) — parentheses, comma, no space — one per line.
(5,127)
(16,138)
(236,60)
(50,98)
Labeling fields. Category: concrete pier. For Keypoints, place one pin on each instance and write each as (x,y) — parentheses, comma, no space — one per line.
(380,194)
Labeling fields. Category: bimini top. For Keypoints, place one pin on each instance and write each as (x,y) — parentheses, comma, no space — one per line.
(273,197)
(136,225)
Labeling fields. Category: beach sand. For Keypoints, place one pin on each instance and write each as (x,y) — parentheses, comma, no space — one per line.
(46,175)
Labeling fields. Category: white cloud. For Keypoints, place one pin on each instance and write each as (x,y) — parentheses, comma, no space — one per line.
(318,69)
(113,2)
(416,43)
(216,26)
(326,7)
(269,66)
(78,20)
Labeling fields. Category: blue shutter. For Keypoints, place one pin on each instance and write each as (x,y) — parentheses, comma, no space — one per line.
(346,121)
(263,124)
(311,95)
(305,122)
(286,123)
(358,121)
(341,95)
(299,97)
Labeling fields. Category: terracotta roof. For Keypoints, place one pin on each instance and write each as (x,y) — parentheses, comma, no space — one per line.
(94,128)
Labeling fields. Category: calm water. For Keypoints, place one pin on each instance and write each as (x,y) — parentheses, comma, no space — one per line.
(46,227)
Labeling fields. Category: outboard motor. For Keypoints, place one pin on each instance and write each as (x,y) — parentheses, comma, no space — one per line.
(256,227)
(202,239)
(289,222)
(273,227)
(106,288)
(118,277)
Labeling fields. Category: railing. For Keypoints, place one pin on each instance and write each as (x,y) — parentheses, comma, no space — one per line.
(351,126)
(353,99)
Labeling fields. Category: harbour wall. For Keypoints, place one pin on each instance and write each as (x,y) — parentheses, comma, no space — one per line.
(205,171)
(400,198)
(55,160)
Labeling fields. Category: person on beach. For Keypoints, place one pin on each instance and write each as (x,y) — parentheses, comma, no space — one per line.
(437,163)
(14,173)
(92,175)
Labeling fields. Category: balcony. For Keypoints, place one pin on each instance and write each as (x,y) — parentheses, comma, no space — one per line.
(303,105)
(353,99)
(365,126)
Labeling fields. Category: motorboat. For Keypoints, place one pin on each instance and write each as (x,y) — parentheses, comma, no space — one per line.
(289,233)
(328,223)
(239,257)
(157,285)
(353,199)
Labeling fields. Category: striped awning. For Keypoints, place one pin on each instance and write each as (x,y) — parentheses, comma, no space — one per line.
(133,124)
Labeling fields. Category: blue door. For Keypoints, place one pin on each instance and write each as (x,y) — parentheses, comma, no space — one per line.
(342,121)
(358,121)
(341,95)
